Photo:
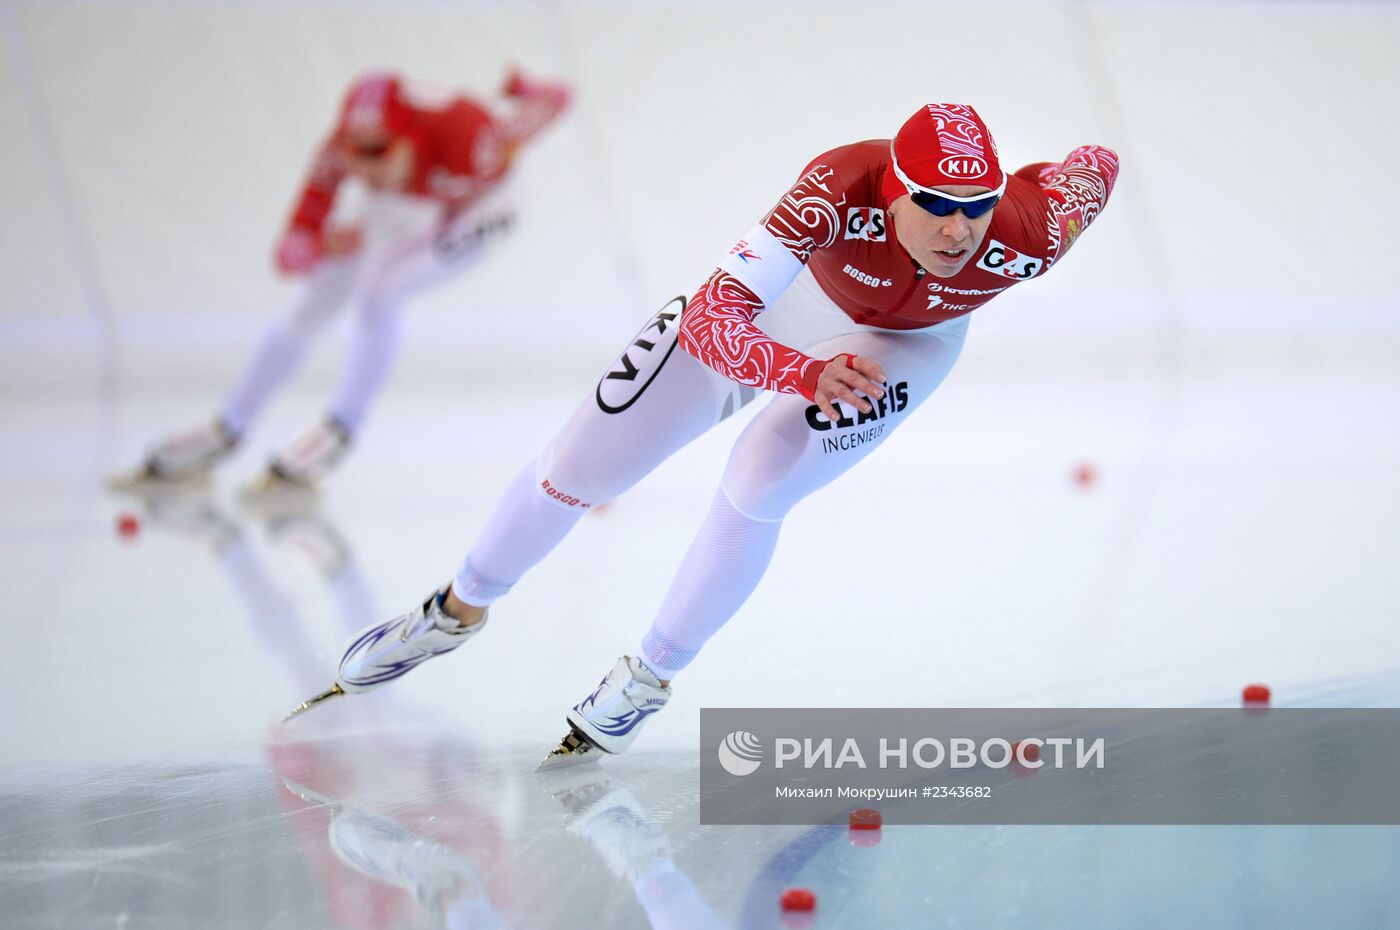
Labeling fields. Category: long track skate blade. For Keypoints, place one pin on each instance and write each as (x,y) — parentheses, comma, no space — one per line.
(132,480)
(270,486)
(142,481)
(572,750)
(335,691)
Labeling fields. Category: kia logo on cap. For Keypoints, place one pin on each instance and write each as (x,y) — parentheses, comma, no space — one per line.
(963,166)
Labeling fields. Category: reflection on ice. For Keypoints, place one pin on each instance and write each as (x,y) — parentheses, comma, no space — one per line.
(404,823)
(444,838)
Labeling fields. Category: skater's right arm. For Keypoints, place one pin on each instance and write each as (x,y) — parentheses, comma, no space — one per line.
(718,328)
(301,246)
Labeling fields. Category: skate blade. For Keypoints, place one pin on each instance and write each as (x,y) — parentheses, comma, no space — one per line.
(143,481)
(270,488)
(335,691)
(572,750)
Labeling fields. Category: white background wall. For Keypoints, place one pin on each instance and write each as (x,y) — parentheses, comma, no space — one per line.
(1252,224)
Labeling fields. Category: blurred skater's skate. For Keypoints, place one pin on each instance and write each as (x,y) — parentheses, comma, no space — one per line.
(382,652)
(608,720)
(302,466)
(188,456)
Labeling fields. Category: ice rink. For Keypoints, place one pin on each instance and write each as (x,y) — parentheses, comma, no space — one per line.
(149,783)
(1167,472)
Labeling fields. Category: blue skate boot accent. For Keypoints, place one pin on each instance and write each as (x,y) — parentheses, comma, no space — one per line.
(384,651)
(389,650)
(609,719)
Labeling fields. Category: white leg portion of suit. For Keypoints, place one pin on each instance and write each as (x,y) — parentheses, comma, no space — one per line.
(653,400)
(785,453)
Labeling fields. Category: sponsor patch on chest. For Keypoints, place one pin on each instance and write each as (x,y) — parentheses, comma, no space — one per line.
(1001,259)
(867,223)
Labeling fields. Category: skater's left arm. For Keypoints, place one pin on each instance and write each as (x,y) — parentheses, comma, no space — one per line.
(301,246)
(718,329)
(718,325)
(1078,189)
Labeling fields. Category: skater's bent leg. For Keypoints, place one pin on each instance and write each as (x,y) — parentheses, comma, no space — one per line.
(785,453)
(283,345)
(406,269)
(652,401)
(373,344)
(720,570)
(791,449)
(524,528)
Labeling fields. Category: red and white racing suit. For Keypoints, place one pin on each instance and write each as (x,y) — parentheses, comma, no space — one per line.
(451,211)
(821,275)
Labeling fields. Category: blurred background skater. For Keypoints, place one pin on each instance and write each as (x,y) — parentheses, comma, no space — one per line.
(432,173)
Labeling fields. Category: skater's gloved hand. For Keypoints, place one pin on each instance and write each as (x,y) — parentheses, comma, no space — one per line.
(298,251)
(340,241)
(516,84)
(1032,172)
(842,378)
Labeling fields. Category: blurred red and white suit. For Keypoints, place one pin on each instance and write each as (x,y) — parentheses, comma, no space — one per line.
(436,202)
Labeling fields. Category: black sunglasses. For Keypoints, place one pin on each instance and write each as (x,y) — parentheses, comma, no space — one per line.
(374,150)
(943,205)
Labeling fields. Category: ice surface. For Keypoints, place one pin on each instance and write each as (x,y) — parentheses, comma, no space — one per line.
(1246,534)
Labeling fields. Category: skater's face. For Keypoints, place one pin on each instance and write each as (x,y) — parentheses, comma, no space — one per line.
(941,245)
(382,161)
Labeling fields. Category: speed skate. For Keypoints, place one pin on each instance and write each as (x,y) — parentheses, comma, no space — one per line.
(608,720)
(184,458)
(382,652)
(300,468)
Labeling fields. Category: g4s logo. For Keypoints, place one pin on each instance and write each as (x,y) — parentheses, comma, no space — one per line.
(1001,259)
(866,223)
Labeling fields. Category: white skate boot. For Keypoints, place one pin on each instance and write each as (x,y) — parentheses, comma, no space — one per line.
(384,651)
(185,456)
(608,719)
(306,462)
